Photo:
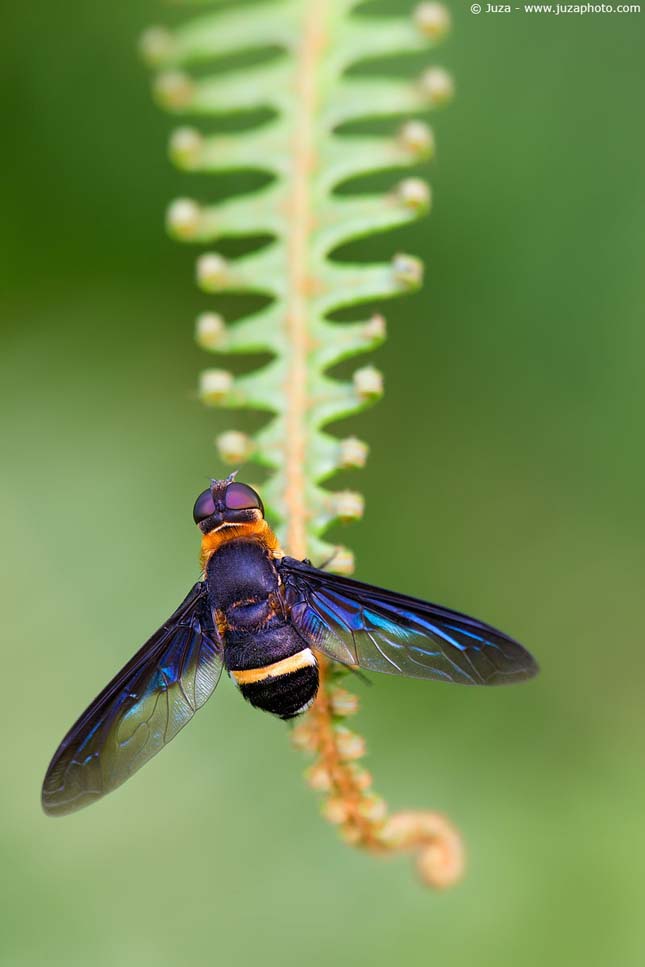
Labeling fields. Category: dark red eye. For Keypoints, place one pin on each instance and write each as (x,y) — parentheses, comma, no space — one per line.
(241,497)
(204,507)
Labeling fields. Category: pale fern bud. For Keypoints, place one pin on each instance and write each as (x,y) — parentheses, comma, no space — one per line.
(407,270)
(373,807)
(414,194)
(362,777)
(234,447)
(155,45)
(353,453)
(348,505)
(375,328)
(350,745)
(186,145)
(215,385)
(433,20)
(209,330)
(368,383)
(212,271)
(174,90)
(318,777)
(417,137)
(304,736)
(183,218)
(343,702)
(343,561)
(335,810)
(438,86)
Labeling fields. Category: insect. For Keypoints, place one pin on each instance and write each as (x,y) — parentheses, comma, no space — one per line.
(262,616)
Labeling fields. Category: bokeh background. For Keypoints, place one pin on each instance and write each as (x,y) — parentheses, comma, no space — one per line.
(506,478)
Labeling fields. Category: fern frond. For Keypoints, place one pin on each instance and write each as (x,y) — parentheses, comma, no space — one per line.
(310,94)
(302,76)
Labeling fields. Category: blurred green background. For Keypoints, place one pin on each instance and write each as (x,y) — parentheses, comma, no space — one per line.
(506,478)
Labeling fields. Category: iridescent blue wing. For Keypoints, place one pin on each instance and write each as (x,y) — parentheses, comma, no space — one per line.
(357,624)
(140,711)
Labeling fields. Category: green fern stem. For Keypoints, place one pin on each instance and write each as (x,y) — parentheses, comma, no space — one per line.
(310,93)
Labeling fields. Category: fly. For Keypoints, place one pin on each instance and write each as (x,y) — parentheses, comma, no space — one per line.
(263,617)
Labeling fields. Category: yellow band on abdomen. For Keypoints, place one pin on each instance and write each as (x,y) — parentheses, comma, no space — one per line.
(247,676)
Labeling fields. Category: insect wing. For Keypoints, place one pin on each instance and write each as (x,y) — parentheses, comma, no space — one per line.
(357,624)
(140,711)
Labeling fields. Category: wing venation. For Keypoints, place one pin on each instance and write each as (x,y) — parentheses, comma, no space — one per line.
(358,624)
(142,709)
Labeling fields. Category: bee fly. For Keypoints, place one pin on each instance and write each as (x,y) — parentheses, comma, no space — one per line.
(262,616)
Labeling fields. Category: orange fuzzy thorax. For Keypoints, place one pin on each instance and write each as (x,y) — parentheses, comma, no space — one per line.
(257,530)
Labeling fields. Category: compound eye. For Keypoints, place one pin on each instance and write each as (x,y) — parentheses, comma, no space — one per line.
(204,507)
(241,497)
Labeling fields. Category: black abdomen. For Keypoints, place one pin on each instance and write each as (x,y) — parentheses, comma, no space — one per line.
(272,665)
(285,695)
